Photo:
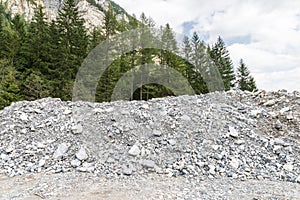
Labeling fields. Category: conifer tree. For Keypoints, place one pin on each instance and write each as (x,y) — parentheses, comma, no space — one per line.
(195,70)
(9,89)
(110,22)
(73,43)
(36,45)
(244,80)
(221,58)
(36,58)
(10,43)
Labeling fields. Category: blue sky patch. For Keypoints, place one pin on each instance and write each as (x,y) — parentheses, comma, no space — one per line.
(188,27)
(242,39)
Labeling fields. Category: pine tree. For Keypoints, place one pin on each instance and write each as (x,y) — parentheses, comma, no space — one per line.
(106,82)
(72,46)
(9,89)
(198,65)
(110,22)
(35,57)
(220,55)
(244,80)
(36,46)
(35,87)
(95,38)
(10,43)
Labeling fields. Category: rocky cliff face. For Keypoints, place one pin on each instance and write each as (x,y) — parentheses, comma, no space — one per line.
(92,15)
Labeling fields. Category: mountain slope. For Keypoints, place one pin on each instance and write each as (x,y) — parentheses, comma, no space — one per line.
(92,10)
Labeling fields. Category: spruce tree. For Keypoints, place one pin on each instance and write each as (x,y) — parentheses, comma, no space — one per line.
(73,43)
(220,55)
(244,80)
(9,89)
(110,24)
(36,46)
(198,66)
(10,43)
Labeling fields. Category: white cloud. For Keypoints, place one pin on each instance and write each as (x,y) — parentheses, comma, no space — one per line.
(273,54)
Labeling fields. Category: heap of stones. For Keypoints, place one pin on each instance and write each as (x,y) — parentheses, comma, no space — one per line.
(236,134)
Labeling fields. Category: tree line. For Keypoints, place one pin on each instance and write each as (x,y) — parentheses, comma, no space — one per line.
(40,58)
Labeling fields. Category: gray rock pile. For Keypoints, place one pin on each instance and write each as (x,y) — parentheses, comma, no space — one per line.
(234,134)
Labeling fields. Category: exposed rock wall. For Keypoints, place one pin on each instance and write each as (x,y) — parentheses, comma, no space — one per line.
(92,15)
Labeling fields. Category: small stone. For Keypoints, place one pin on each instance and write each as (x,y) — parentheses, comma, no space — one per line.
(24,117)
(283,110)
(157,133)
(81,154)
(145,106)
(215,147)
(235,176)
(67,112)
(77,129)
(235,163)
(127,171)
(42,162)
(298,179)
(110,109)
(110,160)
(233,132)
(212,169)
(279,141)
(9,149)
(98,110)
(163,142)
(185,118)
(61,150)
(86,167)
(40,145)
(240,142)
(148,163)
(172,142)
(4,157)
(23,130)
(270,103)
(260,178)
(277,147)
(75,163)
(278,127)
(256,113)
(181,165)
(273,114)
(288,167)
(134,150)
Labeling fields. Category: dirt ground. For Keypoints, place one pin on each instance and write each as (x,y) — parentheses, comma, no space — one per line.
(151,186)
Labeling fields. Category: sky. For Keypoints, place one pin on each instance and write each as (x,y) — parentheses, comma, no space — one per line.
(264,33)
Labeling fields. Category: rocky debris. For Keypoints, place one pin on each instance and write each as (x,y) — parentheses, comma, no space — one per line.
(279,111)
(214,135)
(134,151)
(60,151)
(81,154)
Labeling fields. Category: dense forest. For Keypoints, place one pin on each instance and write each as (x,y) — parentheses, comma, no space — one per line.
(40,58)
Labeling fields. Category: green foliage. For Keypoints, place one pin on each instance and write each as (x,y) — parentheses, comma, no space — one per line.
(72,45)
(110,22)
(244,80)
(9,89)
(220,56)
(40,59)
(35,87)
